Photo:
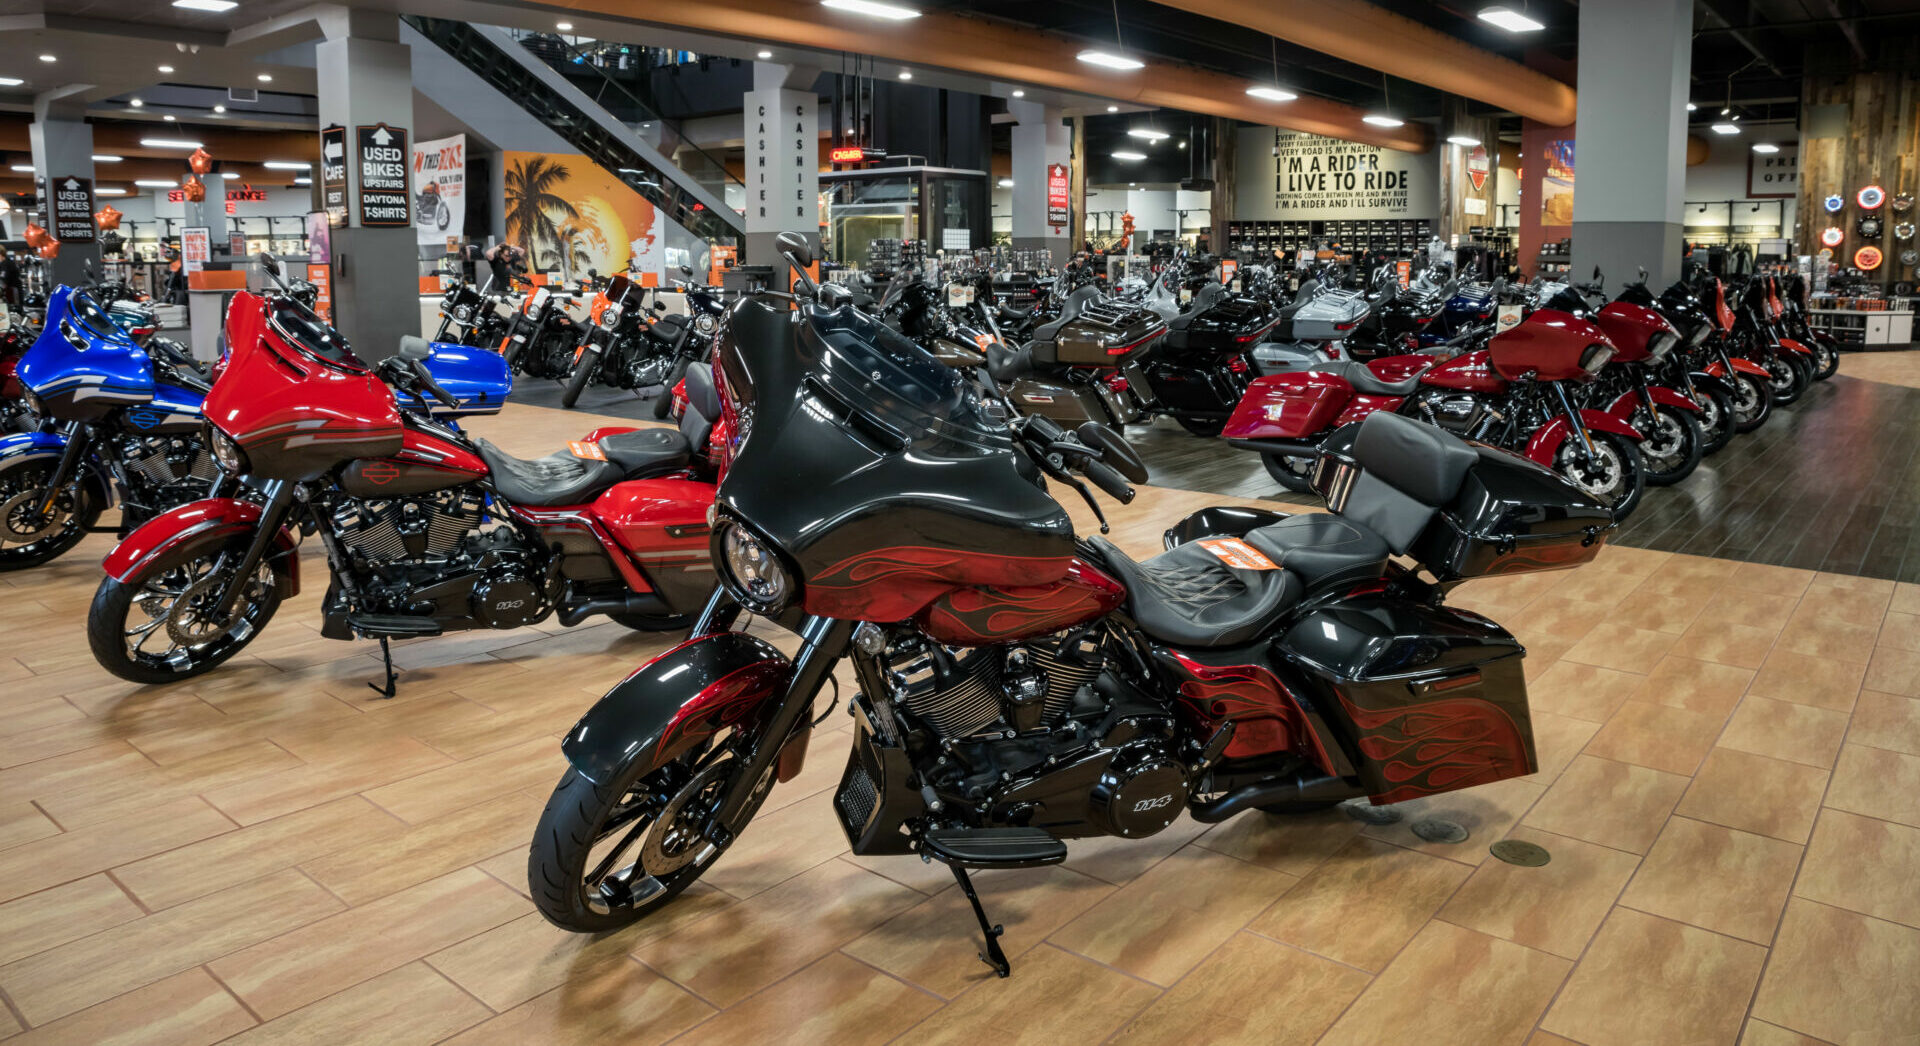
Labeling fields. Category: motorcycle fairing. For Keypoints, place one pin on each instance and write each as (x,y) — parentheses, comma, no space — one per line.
(1627,402)
(207,519)
(675,701)
(1545,441)
(173,411)
(77,385)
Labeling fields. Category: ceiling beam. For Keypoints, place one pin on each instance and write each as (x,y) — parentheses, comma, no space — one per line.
(1741,37)
(1372,36)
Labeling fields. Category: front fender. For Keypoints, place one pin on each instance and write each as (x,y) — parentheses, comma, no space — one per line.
(17,447)
(1793,346)
(211,519)
(1711,384)
(1741,364)
(1545,441)
(1628,402)
(675,701)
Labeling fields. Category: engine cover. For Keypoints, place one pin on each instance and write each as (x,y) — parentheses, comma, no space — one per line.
(507,597)
(1141,792)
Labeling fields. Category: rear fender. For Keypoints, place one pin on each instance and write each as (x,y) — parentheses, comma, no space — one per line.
(1545,442)
(674,702)
(606,430)
(1289,406)
(198,523)
(18,448)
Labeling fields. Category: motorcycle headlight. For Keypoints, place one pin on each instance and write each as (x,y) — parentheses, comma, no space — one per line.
(610,316)
(463,313)
(1662,343)
(33,402)
(752,570)
(1595,357)
(228,453)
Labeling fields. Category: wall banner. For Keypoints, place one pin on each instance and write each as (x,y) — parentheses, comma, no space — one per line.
(1774,174)
(439,189)
(1289,174)
(573,216)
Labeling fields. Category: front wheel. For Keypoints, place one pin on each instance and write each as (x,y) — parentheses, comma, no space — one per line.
(1295,474)
(606,856)
(1785,382)
(1716,419)
(1673,445)
(33,528)
(1614,475)
(161,625)
(1826,358)
(583,369)
(1752,402)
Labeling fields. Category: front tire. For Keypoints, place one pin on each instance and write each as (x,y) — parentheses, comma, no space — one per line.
(1295,474)
(1716,420)
(1752,402)
(1673,445)
(29,536)
(1785,381)
(583,369)
(1826,358)
(1616,477)
(155,628)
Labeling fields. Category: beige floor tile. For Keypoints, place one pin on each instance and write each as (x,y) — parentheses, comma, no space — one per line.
(1162,924)
(1755,793)
(1796,733)
(1778,581)
(198,869)
(531,766)
(71,855)
(1582,691)
(1120,861)
(1864,865)
(1610,803)
(780,845)
(1894,672)
(1553,908)
(1563,616)
(1807,680)
(1547,1038)
(53,917)
(1290,843)
(1054,996)
(1646,980)
(1657,736)
(403,857)
(1489,990)
(412,1004)
(1716,878)
(1845,602)
(1877,783)
(834,1002)
(73,976)
(1901,631)
(1841,976)
(1810,631)
(1697,686)
(1556,740)
(1486,811)
(1886,721)
(1742,646)
(1750,609)
(22,822)
(1621,646)
(1760,1033)
(923,945)
(186,1009)
(355,768)
(313,962)
(619,1001)
(1363,904)
(115,797)
(747,946)
(1660,610)
(1251,992)
(1906,598)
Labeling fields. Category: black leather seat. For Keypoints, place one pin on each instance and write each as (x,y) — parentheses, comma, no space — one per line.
(645,451)
(1068,310)
(1015,314)
(1203,299)
(1190,597)
(557,479)
(1321,548)
(1364,380)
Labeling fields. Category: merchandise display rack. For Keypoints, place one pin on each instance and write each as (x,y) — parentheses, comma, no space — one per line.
(1369,234)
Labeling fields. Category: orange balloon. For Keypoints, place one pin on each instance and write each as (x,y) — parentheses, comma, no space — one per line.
(194,190)
(35,235)
(108,217)
(50,249)
(201,161)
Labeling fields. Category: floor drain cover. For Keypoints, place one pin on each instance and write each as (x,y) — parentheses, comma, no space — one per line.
(1367,813)
(1513,851)
(1435,830)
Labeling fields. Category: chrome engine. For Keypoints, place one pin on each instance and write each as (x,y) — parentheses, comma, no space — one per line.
(1456,412)
(428,526)
(163,471)
(960,693)
(431,556)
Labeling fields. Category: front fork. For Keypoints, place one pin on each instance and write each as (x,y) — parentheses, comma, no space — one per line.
(69,466)
(280,495)
(823,642)
(1573,418)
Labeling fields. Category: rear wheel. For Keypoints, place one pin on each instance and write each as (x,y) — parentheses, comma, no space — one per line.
(33,532)
(161,626)
(1752,401)
(1826,358)
(1295,474)
(583,369)
(1614,475)
(1673,445)
(1203,427)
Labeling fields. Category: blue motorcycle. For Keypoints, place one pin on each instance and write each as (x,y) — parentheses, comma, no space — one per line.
(124,425)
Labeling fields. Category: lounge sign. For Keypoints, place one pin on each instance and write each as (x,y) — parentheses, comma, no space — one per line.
(385,181)
(73,210)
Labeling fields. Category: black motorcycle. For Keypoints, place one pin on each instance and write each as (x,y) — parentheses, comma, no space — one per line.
(630,345)
(542,338)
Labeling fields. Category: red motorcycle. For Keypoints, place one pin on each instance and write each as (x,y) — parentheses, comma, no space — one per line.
(1629,390)
(1513,394)
(425,529)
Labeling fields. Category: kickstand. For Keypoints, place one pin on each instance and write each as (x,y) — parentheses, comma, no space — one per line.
(389,690)
(993,956)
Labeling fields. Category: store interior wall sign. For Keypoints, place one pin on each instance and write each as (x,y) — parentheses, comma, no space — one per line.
(381,153)
(73,210)
(333,174)
(1289,174)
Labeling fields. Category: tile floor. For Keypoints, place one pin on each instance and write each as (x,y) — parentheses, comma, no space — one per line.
(1731,760)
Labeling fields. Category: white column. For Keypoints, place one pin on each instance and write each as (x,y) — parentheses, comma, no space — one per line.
(1041,138)
(782,125)
(62,144)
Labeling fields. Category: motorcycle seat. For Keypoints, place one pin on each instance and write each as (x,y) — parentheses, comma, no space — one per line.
(645,452)
(1364,380)
(564,478)
(1068,311)
(1013,314)
(1190,597)
(1322,549)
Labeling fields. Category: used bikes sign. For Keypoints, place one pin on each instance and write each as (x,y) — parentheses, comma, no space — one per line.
(73,210)
(1058,203)
(333,175)
(385,192)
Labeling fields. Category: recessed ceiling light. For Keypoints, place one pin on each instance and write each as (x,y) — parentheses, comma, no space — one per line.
(105,158)
(228,174)
(169,118)
(104,191)
(1691,107)
(904,75)
(1272,94)
(1006,183)
(1148,133)
(1382,120)
(10,81)
(872,9)
(152,183)
(303,180)
(22,168)
(135,102)
(764,55)
(1132,184)
(288,165)
(265,78)
(1109,60)
(1016,94)
(1510,20)
(1765,147)
(565,27)
(219,108)
(166,68)
(169,143)
(1724,127)
(48,58)
(207,5)
(1113,108)
(1124,154)
(1463,139)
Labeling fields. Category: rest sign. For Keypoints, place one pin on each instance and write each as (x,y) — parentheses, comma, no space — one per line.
(381,162)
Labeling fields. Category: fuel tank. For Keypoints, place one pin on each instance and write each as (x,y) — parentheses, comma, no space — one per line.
(1467,372)
(974,616)
(425,462)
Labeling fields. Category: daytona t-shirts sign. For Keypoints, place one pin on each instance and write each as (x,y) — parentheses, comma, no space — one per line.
(385,189)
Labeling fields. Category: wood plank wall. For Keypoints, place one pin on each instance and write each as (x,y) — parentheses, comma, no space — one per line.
(1871,137)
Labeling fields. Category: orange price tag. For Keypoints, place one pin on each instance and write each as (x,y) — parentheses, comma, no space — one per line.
(1238,554)
(590,451)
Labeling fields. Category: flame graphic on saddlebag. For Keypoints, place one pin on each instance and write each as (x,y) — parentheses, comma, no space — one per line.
(1438,746)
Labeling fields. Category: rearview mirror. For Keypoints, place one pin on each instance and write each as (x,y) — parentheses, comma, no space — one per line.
(1114,450)
(794,246)
(269,263)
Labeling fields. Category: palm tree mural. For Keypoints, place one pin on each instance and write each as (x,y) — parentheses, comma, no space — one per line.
(534,210)
(580,240)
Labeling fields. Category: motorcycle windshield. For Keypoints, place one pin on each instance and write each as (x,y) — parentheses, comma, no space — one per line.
(894,384)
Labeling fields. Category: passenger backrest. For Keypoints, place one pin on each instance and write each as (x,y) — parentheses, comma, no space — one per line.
(1407,470)
(703,406)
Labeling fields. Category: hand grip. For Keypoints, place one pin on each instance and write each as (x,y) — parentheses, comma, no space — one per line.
(1108,479)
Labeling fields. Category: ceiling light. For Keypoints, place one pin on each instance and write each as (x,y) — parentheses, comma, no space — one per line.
(10,81)
(105,158)
(1463,139)
(169,143)
(303,180)
(1016,94)
(265,78)
(1271,94)
(135,102)
(1765,147)
(1724,127)
(904,75)
(1109,60)
(228,174)
(1382,120)
(565,27)
(1691,107)
(207,5)
(219,108)
(48,58)
(1148,133)
(23,168)
(288,165)
(1006,183)
(150,183)
(872,9)
(1113,108)
(1510,20)
(1124,154)
(166,68)
(169,118)
(1131,185)
(764,55)
(104,191)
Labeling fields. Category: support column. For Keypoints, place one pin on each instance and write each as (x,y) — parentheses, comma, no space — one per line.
(782,123)
(1077,189)
(1040,140)
(365,77)
(1631,158)
(1226,144)
(62,144)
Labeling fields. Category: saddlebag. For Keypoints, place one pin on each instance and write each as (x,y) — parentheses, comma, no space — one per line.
(1512,517)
